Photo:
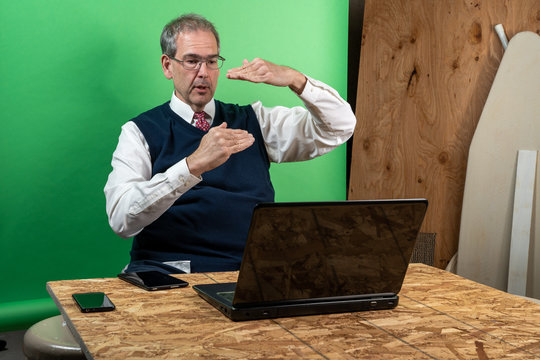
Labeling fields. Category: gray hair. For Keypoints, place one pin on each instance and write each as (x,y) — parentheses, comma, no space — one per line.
(184,23)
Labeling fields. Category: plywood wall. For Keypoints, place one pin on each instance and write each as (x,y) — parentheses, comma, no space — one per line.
(426,68)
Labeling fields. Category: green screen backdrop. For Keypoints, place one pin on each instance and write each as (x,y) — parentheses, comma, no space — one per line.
(73,72)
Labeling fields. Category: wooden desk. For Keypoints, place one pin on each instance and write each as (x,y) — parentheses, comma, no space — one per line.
(440,316)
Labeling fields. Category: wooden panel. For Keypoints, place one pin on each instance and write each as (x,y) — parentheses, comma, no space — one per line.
(426,68)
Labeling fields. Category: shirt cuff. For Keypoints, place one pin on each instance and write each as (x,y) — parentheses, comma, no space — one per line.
(316,91)
(180,178)
(311,92)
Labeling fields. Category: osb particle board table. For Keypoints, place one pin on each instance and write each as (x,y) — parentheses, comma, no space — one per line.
(440,316)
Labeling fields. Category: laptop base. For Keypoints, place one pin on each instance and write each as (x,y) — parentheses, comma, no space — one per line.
(209,292)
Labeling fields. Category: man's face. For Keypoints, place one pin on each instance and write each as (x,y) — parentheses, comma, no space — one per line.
(194,87)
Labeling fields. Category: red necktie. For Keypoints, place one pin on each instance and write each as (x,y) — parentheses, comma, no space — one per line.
(201,122)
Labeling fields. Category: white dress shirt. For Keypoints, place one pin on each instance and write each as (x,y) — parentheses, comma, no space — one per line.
(135,198)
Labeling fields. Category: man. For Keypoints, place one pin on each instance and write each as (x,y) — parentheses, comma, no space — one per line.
(187,174)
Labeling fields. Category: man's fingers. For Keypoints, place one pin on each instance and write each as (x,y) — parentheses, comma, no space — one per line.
(223,132)
(236,142)
(250,71)
(242,144)
(232,140)
(236,74)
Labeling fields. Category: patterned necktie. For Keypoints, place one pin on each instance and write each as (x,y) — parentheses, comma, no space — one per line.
(201,122)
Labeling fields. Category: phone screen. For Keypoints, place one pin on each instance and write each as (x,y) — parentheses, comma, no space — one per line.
(152,280)
(93,302)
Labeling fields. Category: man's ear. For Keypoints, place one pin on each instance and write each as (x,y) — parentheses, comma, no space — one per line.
(166,64)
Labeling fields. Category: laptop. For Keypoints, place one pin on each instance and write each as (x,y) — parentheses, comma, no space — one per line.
(308,258)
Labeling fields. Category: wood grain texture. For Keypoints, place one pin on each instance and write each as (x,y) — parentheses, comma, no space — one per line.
(440,315)
(426,69)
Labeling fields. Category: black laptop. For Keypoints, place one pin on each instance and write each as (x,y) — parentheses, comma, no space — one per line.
(321,257)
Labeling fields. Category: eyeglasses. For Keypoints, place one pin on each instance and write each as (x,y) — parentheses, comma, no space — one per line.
(195,63)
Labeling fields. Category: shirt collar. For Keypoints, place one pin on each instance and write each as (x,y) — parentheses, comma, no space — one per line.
(183,110)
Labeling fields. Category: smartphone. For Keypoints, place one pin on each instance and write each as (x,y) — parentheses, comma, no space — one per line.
(152,280)
(93,302)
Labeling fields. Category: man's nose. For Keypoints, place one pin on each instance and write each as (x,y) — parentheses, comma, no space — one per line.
(203,69)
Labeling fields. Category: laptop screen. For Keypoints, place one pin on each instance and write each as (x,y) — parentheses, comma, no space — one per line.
(315,250)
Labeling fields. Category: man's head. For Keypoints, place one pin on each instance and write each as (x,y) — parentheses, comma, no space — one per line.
(182,24)
(184,41)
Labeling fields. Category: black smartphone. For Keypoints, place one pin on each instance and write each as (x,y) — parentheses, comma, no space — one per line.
(93,302)
(152,280)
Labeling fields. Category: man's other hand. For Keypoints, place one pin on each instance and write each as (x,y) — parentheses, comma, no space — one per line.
(216,147)
(262,71)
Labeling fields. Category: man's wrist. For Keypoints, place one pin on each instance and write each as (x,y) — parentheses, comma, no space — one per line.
(298,82)
(192,168)
(180,177)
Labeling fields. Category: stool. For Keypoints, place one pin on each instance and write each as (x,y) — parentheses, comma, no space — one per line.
(51,339)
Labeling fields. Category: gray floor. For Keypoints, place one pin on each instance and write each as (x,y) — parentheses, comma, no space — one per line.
(13,349)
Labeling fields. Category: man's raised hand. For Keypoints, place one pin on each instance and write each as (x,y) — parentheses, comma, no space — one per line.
(262,71)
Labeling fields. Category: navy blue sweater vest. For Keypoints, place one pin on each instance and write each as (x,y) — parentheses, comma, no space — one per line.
(209,223)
